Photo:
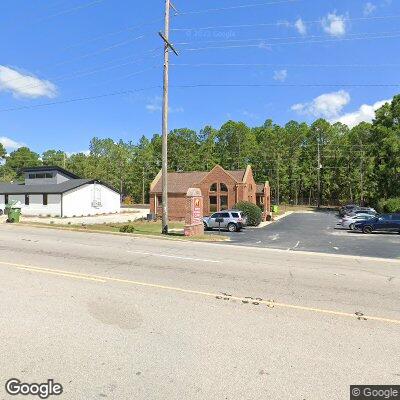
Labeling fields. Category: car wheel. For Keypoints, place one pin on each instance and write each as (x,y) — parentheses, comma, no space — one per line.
(232,227)
(367,230)
(351,226)
(205,226)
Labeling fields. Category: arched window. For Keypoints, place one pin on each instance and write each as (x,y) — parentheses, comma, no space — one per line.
(223,187)
(213,187)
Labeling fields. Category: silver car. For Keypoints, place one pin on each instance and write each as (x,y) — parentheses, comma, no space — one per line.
(348,222)
(233,220)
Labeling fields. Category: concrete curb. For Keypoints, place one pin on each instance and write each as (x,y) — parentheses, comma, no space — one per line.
(135,235)
(267,223)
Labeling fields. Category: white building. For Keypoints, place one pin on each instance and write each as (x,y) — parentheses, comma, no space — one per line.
(53,191)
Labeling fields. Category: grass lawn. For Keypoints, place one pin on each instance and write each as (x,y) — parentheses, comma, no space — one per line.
(285,207)
(144,227)
(139,227)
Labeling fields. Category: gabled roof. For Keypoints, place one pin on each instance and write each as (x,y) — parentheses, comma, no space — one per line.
(44,168)
(238,175)
(63,187)
(180,182)
(260,188)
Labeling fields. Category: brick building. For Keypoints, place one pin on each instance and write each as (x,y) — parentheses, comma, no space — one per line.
(220,188)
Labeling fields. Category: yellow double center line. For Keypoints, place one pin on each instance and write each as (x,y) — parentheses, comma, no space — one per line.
(269,303)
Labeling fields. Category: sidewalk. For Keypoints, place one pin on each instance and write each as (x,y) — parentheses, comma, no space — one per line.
(122,217)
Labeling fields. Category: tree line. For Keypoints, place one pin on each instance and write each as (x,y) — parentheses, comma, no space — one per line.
(305,164)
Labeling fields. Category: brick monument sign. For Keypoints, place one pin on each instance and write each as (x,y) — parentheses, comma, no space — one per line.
(194,213)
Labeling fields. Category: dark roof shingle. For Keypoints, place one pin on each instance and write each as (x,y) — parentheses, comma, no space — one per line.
(180,182)
(15,188)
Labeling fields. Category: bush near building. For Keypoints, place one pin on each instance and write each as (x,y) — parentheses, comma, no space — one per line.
(390,205)
(252,212)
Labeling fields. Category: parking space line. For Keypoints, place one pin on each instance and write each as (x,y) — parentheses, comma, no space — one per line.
(268,303)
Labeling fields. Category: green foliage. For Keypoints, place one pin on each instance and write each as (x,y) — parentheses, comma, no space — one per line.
(54,157)
(390,205)
(21,158)
(127,229)
(3,151)
(360,165)
(252,212)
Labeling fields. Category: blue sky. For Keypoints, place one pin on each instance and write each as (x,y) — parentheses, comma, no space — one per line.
(57,50)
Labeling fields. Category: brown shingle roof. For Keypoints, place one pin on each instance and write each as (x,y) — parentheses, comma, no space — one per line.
(260,188)
(237,175)
(180,182)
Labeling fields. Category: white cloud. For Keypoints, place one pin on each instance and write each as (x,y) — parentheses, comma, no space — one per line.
(301,27)
(280,75)
(366,113)
(369,8)
(22,85)
(155,105)
(10,144)
(328,105)
(334,25)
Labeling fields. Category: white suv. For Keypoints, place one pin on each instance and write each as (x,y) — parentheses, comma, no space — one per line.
(233,220)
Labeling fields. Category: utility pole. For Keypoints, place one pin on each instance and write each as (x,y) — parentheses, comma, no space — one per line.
(362,178)
(278,194)
(143,186)
(319,171)
(167,46)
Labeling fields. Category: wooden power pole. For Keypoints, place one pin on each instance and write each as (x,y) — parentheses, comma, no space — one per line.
(319,172)
(167,47)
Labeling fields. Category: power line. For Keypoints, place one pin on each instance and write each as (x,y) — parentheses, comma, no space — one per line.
(288,65)
(238,7)
(86,72)
(102,50)
(126,92)
(263,45)
(82,57)
(129,28)
(278,24)
(285,38)
(70,10)
(119,93)
(221,85)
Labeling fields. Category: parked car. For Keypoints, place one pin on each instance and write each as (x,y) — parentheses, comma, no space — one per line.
(362,210)
(347,208)
(348,222)
(383,222)
(233,220)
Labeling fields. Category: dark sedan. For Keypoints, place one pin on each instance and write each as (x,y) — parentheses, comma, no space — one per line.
(382,223)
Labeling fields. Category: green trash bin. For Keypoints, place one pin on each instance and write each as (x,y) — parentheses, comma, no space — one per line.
(14,214)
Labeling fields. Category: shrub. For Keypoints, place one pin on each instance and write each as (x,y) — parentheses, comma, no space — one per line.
(390,205)
(251,211)
(127,229)
(127,201)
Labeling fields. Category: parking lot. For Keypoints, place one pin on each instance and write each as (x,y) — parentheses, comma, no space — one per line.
(317,232)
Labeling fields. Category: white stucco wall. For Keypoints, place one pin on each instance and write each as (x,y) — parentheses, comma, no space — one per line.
(2,202)
(35,207)
(78,202)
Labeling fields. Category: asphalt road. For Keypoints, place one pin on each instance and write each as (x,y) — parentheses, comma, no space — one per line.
(134,318)
(316,232)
